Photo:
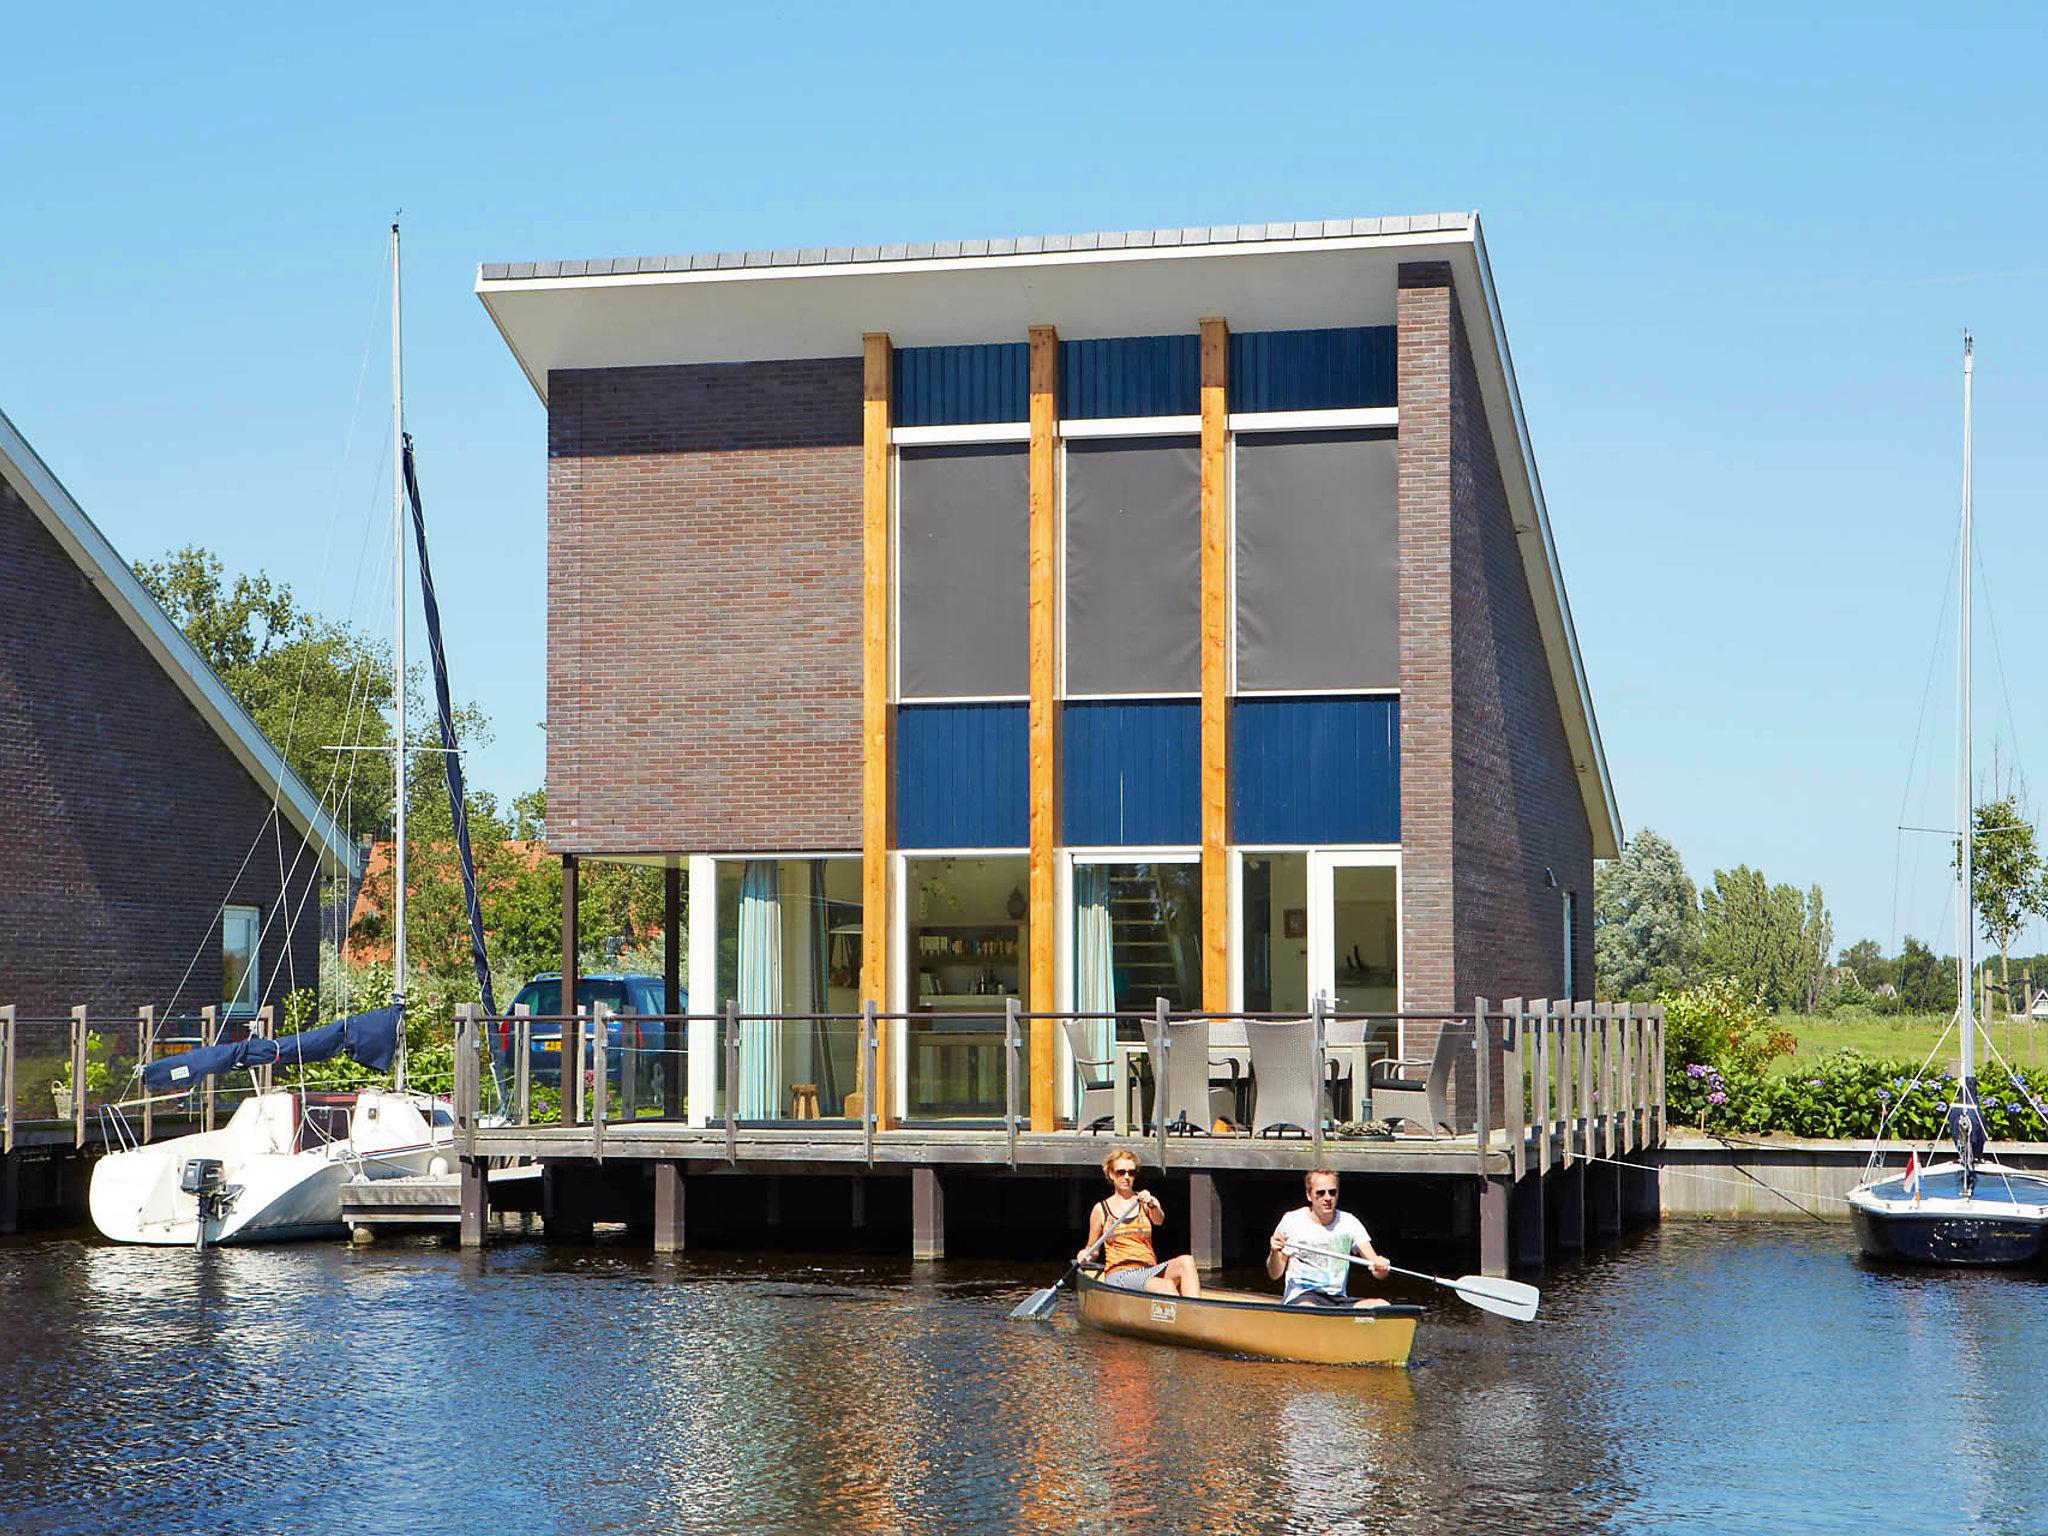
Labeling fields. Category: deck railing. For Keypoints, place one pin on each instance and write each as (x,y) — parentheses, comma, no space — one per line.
(1543,1083)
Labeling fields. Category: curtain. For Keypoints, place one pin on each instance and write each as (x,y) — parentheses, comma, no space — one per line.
(1094,966)
(760,990)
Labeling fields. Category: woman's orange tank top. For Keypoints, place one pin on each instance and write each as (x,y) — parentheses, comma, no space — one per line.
(1130,1245)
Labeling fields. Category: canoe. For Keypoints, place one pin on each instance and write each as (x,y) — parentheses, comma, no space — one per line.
(1240,1323)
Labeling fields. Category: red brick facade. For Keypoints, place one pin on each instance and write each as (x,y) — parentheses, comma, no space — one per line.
(126,821)
(704,608)
(1489,792)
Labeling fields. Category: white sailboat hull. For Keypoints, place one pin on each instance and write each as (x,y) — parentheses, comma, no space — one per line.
(282,1191)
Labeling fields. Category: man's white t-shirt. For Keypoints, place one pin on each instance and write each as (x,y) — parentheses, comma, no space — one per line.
(1345,1234)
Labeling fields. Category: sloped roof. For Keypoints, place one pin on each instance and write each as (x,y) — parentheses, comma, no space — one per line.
(747,306)
(80,538)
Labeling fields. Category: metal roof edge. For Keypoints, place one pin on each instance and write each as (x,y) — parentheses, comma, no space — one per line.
(95,555)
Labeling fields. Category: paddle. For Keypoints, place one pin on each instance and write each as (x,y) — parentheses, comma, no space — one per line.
(1508,1298)
(1039,1304)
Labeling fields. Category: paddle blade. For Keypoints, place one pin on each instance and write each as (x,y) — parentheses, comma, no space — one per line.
(1038,1305)
(1509,1298)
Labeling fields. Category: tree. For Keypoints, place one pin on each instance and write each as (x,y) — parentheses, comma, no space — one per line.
(1817,939)
(1764,937)
(308,684)
(1868,961)
(1646,920)
(1927,982)
(2008,882)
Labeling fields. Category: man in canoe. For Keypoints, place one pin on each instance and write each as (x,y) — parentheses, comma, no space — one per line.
(1121,1227)
(1310,1249)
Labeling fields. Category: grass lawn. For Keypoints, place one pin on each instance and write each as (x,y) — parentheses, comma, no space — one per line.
(1907,1038)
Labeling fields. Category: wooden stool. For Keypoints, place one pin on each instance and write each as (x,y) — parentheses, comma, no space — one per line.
(803,1101)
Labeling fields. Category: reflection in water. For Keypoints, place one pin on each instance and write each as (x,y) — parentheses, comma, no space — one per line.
(1700,1378)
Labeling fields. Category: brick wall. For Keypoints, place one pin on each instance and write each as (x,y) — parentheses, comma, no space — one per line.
(1489,794)
(704,608)
(125,820)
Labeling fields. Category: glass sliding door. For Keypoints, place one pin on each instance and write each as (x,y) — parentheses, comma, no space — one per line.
(967,946)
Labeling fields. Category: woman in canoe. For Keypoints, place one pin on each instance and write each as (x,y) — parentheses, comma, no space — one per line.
(1121,1226)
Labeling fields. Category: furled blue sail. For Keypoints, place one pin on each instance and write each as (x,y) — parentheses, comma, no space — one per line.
(369,1039)
(451,760)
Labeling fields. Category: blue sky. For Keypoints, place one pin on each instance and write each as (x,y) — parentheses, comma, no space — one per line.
(1735,250)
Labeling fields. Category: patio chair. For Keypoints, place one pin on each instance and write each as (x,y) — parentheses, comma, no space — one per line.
(1416,1090)
(1095,1109)
(1286,1099)
(1230,1067)
(1186,1097)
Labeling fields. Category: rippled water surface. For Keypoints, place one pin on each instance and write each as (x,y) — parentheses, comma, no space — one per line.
(1701,1378)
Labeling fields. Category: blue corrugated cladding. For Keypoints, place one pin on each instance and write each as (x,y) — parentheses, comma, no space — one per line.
(1315,770)
(1131,376)
(1131,774)
(1332,370)
(957,386)
(962,776)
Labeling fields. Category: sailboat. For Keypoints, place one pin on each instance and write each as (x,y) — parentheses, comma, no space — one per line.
(1970,1210)
(278,1168)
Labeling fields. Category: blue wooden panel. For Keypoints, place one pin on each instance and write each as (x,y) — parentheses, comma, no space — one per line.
(1131,376)
(955,386)
(1131,773)
(962,776)
(1315,770)
(1333,370)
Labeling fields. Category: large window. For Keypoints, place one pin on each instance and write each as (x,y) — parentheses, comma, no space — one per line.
(967,937)
(1318,561)
(964,524)
(1137,935)
(1134,566)
(240,929)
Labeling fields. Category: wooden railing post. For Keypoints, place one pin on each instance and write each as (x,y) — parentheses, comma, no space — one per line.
(1012,1008)
(1482,1081)
(6,1078)
(79,1029)
(264,1026)
(145,1053)
(1582,1025)
(463,1088)
(1657,1086)
(209,1034)
(1540,1083)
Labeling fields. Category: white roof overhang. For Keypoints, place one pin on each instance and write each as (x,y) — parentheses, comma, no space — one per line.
(110,575)
(763,305)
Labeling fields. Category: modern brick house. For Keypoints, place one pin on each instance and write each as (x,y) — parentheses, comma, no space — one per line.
(154,847)
(1091,619)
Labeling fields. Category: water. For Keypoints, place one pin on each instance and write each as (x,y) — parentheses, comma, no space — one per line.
(1700,1378)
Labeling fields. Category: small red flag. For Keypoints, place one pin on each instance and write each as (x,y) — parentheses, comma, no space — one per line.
(1911,1182)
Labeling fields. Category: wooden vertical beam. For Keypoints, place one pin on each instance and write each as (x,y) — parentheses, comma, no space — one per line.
(877,766)
(1215,666)
(1045,720)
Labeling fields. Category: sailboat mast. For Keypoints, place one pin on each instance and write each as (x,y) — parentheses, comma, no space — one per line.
(397,650)
(1966,970)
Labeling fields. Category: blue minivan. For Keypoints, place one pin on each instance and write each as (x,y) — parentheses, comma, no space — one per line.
(623,995)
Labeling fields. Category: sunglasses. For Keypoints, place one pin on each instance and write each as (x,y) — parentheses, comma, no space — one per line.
(1123,1173)
(1320,1194)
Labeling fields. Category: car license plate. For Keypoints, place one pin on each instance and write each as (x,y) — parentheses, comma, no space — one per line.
(551,1045)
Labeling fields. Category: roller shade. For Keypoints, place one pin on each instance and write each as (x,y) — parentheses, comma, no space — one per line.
(1134,566)
(964,526)
(1318,561)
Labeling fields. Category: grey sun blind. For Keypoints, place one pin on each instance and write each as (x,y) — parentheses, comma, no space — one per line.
(964,585)
(1318,575)
(1134,566)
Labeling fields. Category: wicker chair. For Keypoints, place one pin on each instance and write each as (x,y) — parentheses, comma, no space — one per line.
(1416,1090)
(1186,1097)
(1287,1099)
(1095,1109)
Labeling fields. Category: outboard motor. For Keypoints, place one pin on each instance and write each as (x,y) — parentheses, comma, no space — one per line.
(1966,1130)
(205,1179)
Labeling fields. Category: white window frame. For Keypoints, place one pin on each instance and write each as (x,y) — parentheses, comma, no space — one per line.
(252,979)
(1322,860)
(971,435)
(899,954)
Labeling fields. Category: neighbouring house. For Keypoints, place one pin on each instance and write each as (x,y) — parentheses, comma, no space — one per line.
(155,849)
(1096,619)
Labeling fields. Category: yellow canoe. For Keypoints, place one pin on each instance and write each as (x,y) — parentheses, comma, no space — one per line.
(1240,1323)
